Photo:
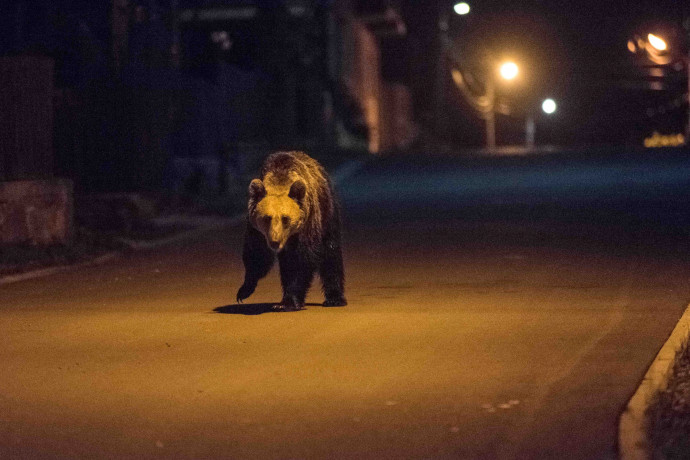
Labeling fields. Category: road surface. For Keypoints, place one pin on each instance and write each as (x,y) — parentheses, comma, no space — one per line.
(498,308)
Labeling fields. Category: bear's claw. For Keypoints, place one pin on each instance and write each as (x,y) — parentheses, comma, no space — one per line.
(244,292)
(282,307)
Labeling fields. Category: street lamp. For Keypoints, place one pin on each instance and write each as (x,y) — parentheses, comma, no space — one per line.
(548,106)
(657,42)
(657,50)
(508,71)
(461,8)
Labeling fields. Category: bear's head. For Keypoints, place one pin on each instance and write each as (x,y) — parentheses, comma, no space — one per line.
(277,210)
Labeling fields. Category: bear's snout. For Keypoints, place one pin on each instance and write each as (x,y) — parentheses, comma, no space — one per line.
(276,236)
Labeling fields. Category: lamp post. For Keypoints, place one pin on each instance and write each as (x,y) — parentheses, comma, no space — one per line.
(461,9)
(491,114)
(659,46)
(508,71)
(548,106)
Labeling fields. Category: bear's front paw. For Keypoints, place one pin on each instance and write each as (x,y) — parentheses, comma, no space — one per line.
(282,307)
(245,291)
(335,302)
(289,304)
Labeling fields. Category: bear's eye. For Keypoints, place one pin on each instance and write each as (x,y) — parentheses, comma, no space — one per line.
(286,221)
(267,221)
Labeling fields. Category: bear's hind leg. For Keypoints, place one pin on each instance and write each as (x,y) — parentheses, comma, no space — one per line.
(333,277)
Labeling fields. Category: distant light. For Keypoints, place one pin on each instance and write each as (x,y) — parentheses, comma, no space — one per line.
(664,140)
(461,8)
(509,70)
(632,47)
(219,36)
(219,14)
(548,106)
(657,43)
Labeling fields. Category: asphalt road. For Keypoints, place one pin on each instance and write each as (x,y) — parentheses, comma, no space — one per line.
(499,308)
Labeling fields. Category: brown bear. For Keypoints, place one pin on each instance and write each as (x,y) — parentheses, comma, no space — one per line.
(293,213)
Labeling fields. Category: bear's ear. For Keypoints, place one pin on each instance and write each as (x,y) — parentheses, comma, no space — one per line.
(297,191)
(257,190)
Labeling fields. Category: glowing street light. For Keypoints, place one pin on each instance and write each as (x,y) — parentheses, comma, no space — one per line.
(548,106)
(657,50)
(461,8)
(509,70)
(657,42)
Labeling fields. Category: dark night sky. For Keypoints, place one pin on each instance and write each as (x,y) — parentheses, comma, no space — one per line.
(574,51)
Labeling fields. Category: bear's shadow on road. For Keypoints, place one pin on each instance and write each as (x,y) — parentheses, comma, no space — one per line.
(252,308)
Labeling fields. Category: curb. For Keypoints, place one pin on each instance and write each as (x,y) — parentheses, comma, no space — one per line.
(129,244)
(198,230)
(41,272)
(632,432)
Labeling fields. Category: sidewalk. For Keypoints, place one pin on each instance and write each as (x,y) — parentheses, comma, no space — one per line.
(638,437)
(30,263)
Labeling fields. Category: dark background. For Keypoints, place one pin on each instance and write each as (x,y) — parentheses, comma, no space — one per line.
(573,51)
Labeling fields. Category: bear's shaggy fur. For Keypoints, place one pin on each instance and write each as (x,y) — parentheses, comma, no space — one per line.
(292,212)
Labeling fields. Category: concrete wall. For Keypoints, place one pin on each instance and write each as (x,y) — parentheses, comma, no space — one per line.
(356,61)
(34,209)
(359,69)
(366,81)
(36,212)
(398,128)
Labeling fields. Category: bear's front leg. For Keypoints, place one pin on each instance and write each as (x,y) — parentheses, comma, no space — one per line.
(296,275)
(258,260)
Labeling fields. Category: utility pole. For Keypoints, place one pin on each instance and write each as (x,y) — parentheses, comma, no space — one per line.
(687,65)
(686,25)
(491,114)
(530,131)
(440,89)
(687,127)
